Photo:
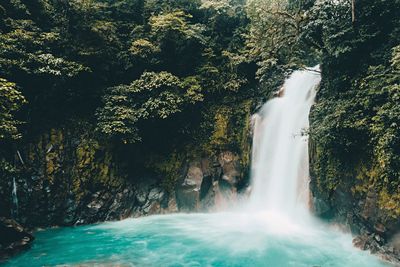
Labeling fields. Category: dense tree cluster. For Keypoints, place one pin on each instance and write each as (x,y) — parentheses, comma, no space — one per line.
(153,95)
(83,59)
(123,62)
(355,122)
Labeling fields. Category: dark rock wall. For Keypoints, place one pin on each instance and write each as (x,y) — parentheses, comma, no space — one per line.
(69,178)
(14,238)
(209,183)
(359,212)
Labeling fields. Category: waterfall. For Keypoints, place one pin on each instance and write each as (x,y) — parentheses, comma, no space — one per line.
(280,174)
(14,196)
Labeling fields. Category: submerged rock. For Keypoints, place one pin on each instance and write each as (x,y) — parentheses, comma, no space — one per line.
(13,238)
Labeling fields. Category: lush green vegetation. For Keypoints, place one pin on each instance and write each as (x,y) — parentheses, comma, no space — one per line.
(125,65)
(355,123)
(11,101)
(155,82)
(140,72)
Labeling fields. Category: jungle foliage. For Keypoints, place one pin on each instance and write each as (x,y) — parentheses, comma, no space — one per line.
(355,122)
(125,65)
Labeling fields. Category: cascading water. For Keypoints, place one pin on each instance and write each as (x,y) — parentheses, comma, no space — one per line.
(14,199)
(266,231)
(280,148)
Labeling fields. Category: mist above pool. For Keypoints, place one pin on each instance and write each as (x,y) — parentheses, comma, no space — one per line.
(273,227)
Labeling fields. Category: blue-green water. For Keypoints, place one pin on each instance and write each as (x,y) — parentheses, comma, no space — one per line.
(219,239)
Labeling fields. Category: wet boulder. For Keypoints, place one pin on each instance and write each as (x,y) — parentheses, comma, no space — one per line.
(209,182)
(188,193)
(13,238)
(231,170)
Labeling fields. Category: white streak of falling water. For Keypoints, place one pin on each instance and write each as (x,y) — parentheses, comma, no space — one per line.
(280,175)
(14,199)
(259,236)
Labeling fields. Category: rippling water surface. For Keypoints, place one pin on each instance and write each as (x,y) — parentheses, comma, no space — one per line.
(284,234)
(217,239)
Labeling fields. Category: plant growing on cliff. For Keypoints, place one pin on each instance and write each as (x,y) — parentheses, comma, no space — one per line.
(11,101)
(152,96)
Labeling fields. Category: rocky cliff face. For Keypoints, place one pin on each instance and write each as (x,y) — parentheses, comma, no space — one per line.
(358,210)
(209,183)
(69,178)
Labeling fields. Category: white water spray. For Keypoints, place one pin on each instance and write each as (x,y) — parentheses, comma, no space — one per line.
(267,234)
(280,173)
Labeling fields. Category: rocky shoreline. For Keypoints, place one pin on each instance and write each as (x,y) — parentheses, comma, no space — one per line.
(369,233)
(375,245)
(14,238)
(80,183)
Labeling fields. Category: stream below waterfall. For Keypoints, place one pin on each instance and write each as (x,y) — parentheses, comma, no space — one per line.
(216,239)
(273,227)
